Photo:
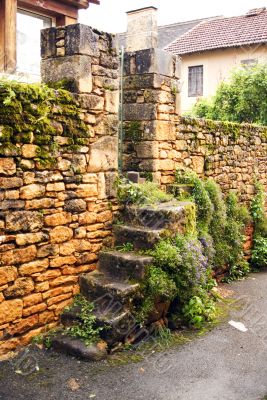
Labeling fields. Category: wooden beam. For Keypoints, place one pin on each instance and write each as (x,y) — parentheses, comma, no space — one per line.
(8,18)
(49,7)
(63,20)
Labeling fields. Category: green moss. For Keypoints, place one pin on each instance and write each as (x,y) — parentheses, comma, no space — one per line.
(36,113)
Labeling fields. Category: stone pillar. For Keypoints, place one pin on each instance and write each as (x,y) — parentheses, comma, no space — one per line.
(86,62)
(142,30)
(151,98)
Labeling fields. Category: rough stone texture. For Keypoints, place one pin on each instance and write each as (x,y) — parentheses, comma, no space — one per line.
(55,218)
(158,141)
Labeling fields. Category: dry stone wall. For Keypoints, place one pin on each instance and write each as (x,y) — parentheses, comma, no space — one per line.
(158,140)
(56,209)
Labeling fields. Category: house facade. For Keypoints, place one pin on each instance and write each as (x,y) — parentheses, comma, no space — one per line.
(20,24)
(213,48)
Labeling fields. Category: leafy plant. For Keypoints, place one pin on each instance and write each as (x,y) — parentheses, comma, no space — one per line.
(199,310)
(86,329)
(125,247)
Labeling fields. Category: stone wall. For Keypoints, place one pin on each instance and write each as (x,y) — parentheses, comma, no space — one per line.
(57,167)
(151,94)
(158,140)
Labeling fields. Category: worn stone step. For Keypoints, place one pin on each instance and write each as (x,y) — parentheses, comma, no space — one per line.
(174,216)
(123,265)
(95,286)
(114,318)
(77,348)
(140,237)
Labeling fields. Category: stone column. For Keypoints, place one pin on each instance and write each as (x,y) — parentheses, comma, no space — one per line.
(86,62)
(151,97)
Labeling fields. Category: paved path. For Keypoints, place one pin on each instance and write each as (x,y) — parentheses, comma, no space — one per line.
(225,364)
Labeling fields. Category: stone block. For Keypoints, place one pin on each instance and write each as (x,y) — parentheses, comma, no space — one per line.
(30,238)
(112,101)
(24,221)
(11,204)
(81,39)
(10,183)
(48,42)
(60,261)
(55,187)
(103,155)
(21,287)
(75,205)
(33,267)
(23,326)
(19,256)
(151,61)
(29,150)
(75,69)
(140,112)
(147,149)
(61,218)
(7,166)
(87,218)
(10,310)
(7,274)
(32,191)
(60,234)
(198,164)
(91,102)
(48,250)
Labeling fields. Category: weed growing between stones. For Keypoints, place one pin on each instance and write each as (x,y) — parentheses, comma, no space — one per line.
(86,328)
(146,193)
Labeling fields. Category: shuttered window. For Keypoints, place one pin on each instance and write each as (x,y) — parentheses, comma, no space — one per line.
(195,81)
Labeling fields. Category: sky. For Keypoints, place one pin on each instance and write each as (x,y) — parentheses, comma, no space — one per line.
(110,15)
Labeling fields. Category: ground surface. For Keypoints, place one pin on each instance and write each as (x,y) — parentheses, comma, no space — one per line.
(225,364)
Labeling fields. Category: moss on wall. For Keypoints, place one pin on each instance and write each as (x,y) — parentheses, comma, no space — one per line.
(37,114)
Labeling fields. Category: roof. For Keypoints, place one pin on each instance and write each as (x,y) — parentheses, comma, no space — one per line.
(223,33)
(168,33)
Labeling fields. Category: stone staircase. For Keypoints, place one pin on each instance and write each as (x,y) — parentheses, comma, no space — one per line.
(115,284)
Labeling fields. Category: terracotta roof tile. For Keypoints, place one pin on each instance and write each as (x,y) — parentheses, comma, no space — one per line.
(222,33)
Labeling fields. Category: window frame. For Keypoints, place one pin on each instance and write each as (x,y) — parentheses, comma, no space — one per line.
(198,90)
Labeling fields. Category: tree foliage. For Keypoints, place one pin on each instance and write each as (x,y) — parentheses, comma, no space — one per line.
(241,99)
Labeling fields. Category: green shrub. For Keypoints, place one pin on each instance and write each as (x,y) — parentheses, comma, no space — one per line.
(145,193)
(243,98)
(203,204)
(220,222)
(259,249)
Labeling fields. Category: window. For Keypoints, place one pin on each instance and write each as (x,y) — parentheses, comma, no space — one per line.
(29,26)
(250,62)
(195,81)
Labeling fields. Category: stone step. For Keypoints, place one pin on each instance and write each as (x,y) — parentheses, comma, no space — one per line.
(123,265)
(140,237)
(114,318)
(170,215)
(96,286)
